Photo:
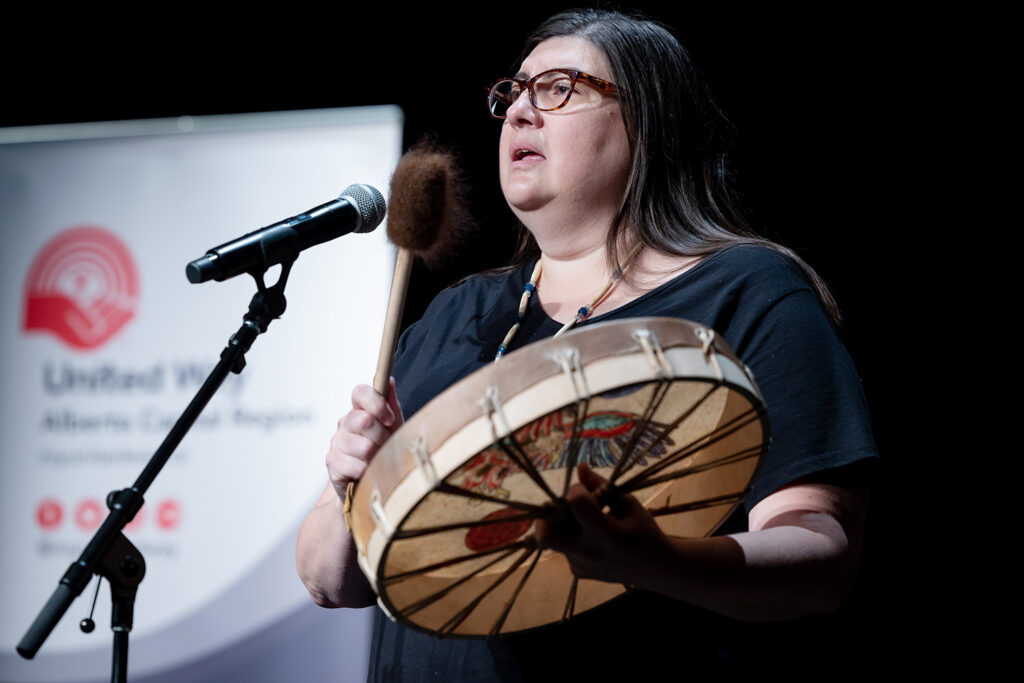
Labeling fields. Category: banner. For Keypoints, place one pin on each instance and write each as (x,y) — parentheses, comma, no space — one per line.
(104,343)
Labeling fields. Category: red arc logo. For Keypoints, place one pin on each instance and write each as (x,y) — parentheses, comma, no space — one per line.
(82,286)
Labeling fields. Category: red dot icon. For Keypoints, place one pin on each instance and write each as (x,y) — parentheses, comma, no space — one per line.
(89,514)
(168,514)
(49,513)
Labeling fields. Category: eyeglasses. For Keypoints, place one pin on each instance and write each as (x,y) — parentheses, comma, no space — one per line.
(549,90)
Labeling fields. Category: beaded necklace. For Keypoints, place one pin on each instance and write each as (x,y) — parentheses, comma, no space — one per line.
(582,314)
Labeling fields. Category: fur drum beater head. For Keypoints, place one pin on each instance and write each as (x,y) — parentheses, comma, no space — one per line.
(427,209)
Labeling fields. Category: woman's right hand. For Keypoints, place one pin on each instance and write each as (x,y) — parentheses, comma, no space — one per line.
(325,553)
(361,432)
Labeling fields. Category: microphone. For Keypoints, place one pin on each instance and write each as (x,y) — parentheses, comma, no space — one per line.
(360,208)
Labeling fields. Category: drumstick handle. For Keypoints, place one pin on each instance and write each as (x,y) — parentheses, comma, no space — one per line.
(393,321)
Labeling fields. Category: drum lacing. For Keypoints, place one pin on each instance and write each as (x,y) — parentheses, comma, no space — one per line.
(422,457)
(569,360)
(653,353)
(377,510)
(491,405)
(364,564)
(747,371)
(385,610)
(707,338)
(507,442)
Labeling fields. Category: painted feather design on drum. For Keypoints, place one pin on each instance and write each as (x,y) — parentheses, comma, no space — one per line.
(603,436)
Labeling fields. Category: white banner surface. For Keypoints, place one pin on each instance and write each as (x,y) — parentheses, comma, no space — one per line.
(104,342)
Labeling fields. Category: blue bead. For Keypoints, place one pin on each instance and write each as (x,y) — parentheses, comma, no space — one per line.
(529,287)
(584,312)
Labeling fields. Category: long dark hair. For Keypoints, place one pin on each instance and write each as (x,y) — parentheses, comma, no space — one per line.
(680,196)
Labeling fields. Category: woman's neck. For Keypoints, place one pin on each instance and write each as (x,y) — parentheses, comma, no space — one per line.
(571,280)
(572,276)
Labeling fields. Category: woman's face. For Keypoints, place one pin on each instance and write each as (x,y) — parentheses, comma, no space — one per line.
(574,161)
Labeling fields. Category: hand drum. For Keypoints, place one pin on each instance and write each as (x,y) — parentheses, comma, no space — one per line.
(443,517)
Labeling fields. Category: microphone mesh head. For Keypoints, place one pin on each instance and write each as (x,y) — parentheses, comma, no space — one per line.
(369,203)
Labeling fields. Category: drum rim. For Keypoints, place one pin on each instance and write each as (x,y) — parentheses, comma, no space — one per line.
(395,614)
(419,423)
(544,348)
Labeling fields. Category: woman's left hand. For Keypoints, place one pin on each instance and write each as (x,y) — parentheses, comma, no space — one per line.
(798,558)
(614,546)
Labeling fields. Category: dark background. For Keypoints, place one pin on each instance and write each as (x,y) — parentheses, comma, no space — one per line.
(821,100)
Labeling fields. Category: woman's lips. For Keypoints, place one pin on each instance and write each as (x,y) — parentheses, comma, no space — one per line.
(525,155)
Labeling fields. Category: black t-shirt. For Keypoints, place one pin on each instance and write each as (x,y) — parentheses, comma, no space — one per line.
(764,308)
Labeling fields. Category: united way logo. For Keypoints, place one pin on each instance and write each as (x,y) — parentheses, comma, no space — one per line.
(82,287)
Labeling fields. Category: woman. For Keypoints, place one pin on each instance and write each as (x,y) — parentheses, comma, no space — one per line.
(627,175)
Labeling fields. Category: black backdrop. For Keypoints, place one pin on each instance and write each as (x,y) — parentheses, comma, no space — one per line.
(818,98)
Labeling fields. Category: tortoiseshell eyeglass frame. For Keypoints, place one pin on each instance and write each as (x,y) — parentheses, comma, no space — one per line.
(527,85)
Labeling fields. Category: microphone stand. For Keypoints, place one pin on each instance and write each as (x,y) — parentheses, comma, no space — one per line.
(110,554)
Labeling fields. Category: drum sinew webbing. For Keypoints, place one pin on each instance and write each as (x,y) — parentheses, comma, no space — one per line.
(667,415)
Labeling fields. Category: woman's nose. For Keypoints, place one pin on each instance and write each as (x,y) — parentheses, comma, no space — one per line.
(522,111)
